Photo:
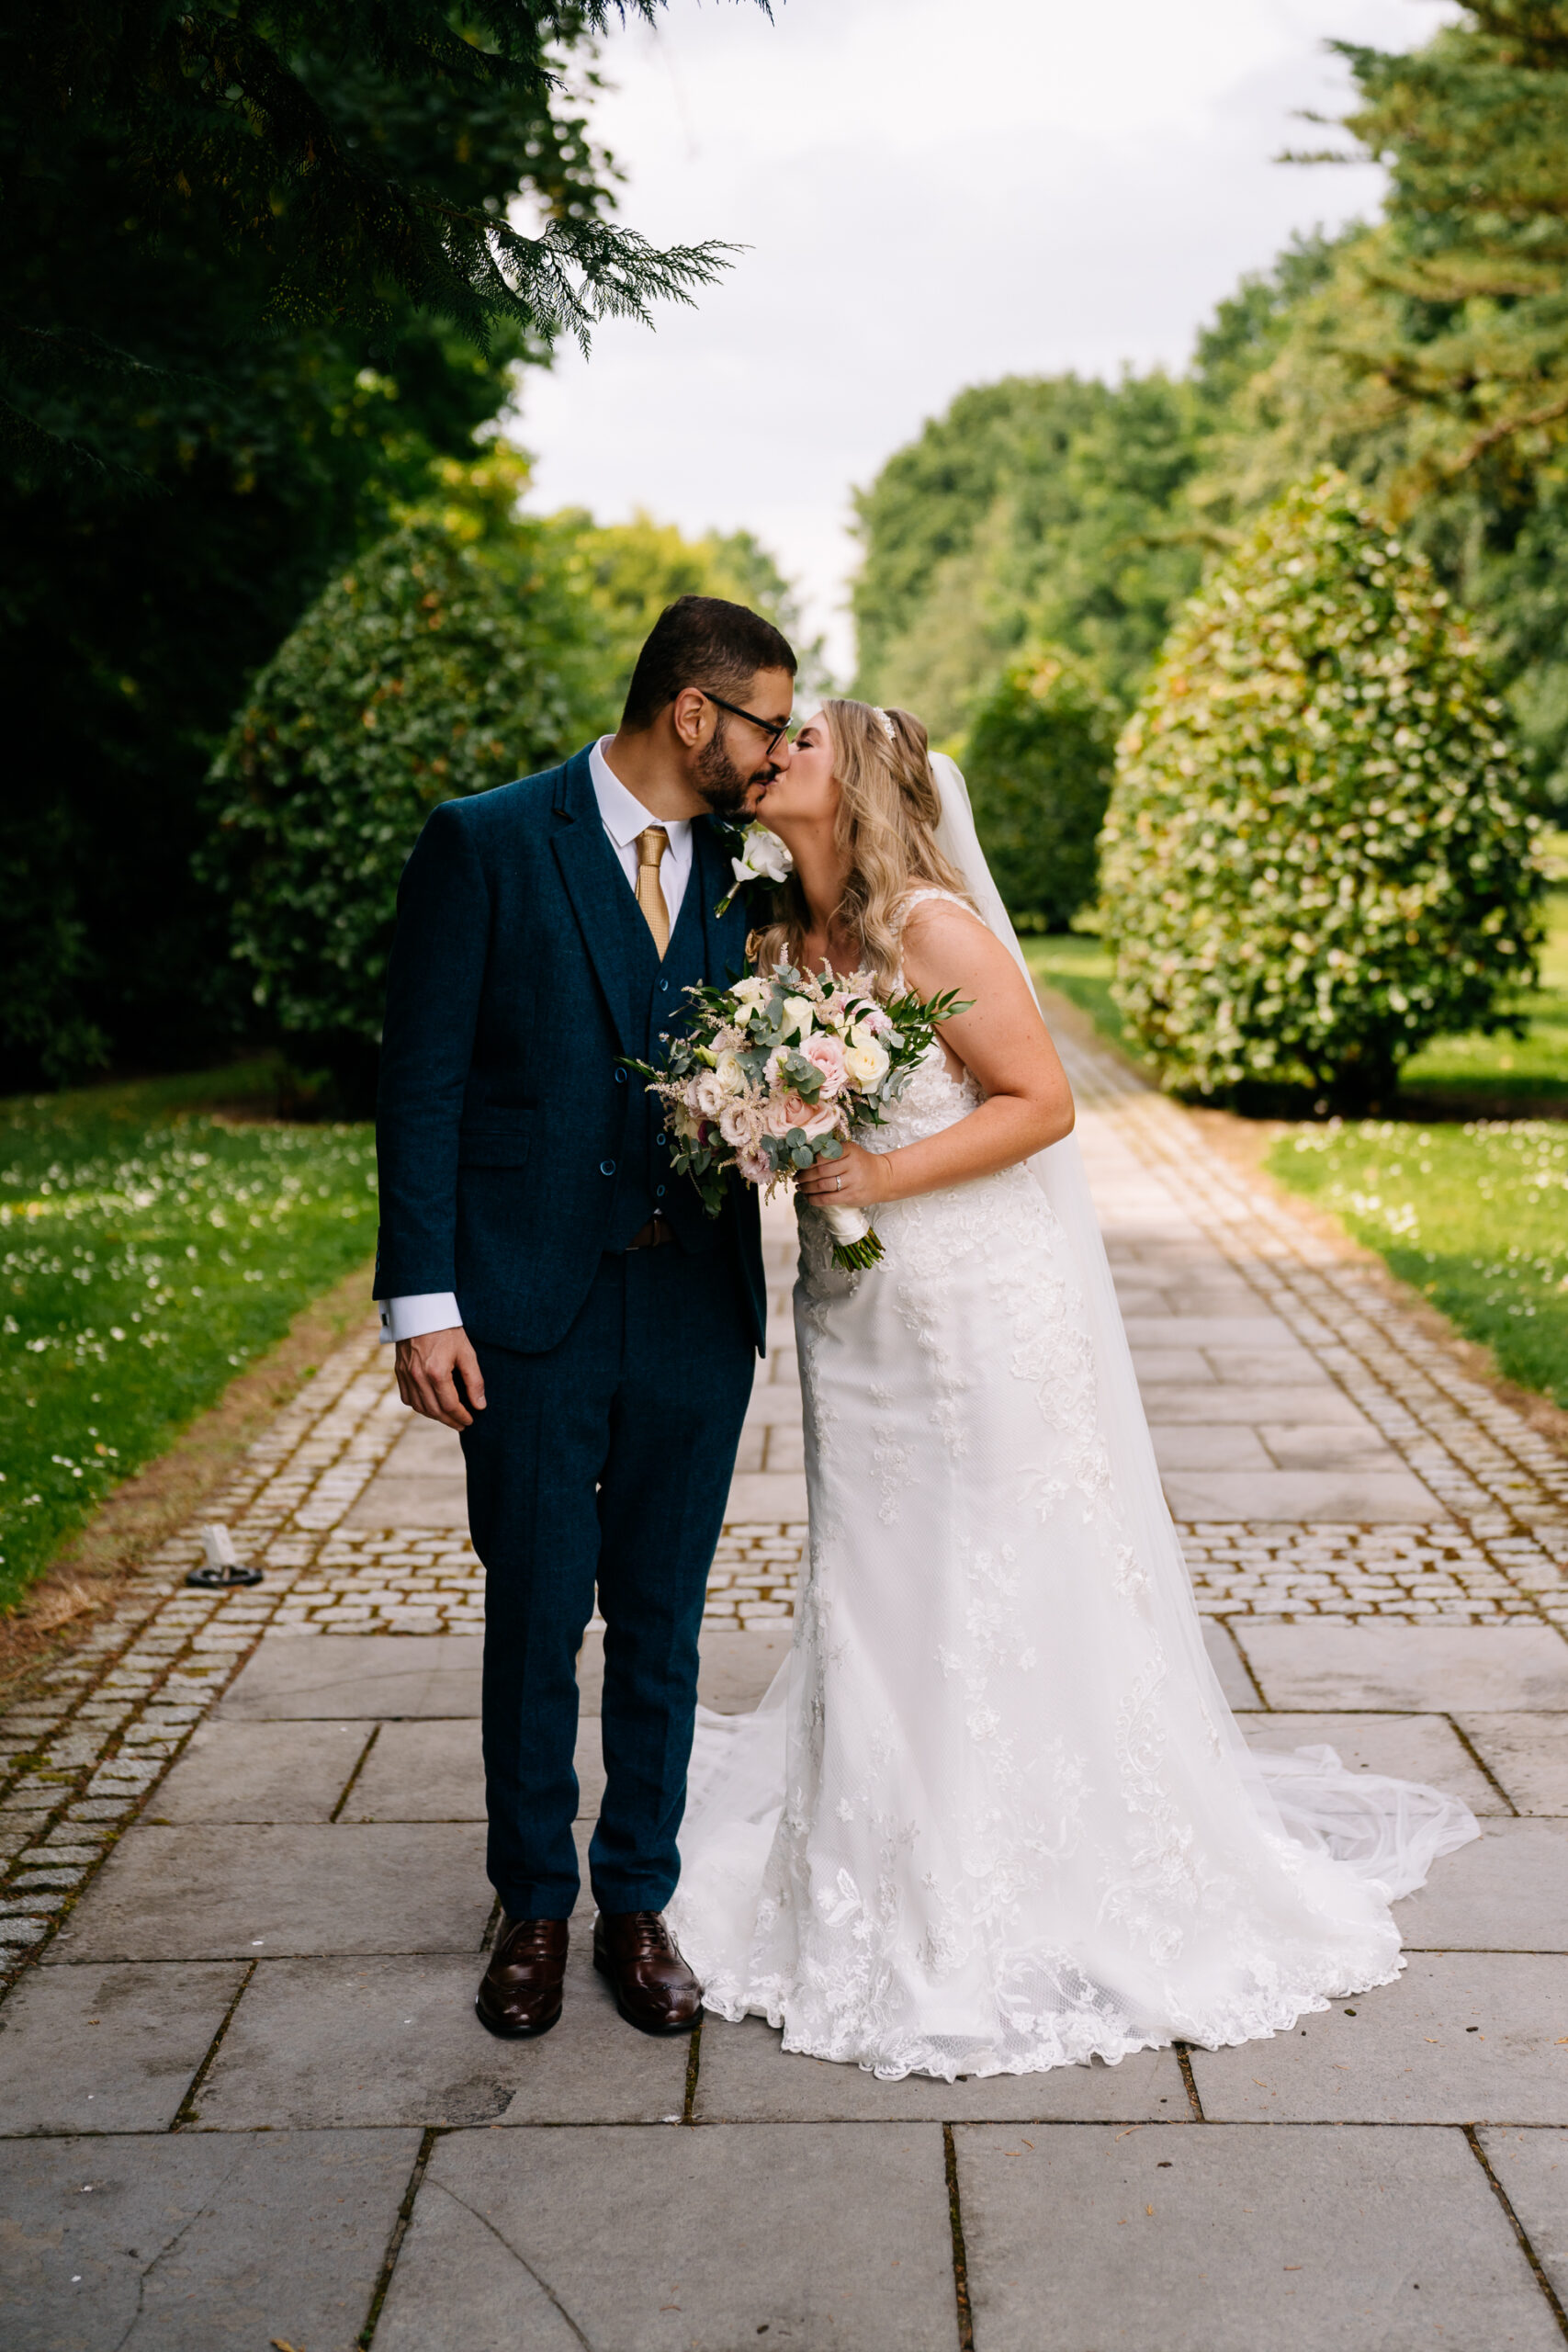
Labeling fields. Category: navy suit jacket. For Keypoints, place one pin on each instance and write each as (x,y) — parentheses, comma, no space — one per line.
(521,971)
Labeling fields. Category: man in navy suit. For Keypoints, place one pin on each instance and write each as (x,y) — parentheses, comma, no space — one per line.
(559,1298)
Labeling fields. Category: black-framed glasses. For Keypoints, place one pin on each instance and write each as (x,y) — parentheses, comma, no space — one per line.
(764,726)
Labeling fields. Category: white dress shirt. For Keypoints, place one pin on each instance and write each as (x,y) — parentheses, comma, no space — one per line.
(623,816)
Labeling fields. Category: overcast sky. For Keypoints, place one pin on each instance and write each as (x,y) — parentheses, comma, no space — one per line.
(932,193)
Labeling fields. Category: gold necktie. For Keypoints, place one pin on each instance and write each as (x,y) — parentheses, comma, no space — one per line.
(652,845)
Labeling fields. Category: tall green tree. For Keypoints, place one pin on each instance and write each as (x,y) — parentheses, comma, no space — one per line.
(1430,361)
(233,115)
(1035,509)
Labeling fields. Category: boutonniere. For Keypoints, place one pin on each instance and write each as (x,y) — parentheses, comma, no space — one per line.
(755,855)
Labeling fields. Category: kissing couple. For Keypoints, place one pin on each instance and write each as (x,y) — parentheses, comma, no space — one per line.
(995,1815)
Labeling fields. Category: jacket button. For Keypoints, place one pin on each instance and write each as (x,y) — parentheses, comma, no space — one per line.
(606,1167)
(620,1078)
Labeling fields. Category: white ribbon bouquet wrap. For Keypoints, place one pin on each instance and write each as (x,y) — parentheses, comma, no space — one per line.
(773,1076)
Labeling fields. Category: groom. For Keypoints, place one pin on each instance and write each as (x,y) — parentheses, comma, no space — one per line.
(558,1296)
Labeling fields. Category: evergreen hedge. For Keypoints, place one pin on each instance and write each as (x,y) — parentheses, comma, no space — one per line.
(1038,763)
(419,676)
(1316,856)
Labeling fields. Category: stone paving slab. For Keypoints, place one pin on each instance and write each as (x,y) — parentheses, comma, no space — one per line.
(1424,1668)
(316,2044)
(196,2241)
(816,2236)
(1315,1405)
(1461,2037)
(1506,1892)
(1229,1662)
(1405,1748)
(345,1675)
(1527,1753)
(207,1892)
(1231,2241)
(1532,2167)
(1362,1497)
(434,1771)
(108,2048)
(261,1771)
(746,2076)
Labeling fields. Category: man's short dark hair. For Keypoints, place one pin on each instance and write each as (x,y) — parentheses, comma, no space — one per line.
(701,642)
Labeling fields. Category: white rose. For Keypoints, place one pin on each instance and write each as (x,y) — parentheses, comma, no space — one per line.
(865,1065)
(766,855)
(798,1016)
(730,1072)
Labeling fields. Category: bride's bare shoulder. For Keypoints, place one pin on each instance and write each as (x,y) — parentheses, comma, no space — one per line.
(945,941)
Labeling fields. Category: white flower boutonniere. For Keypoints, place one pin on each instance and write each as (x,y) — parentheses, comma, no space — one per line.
(762,857)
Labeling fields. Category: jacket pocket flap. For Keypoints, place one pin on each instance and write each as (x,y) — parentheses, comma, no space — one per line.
(496,1139)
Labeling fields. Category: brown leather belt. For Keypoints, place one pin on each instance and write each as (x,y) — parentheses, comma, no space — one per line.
(652,1235)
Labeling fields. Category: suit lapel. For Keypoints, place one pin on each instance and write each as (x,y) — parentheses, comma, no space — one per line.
(724,936)
(599,895)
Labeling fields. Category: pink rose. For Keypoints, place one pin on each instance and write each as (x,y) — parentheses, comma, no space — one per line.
(826,1055)
(754,1166)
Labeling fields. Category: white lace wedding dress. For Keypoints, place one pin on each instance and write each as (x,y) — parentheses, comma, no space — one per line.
(995,1815)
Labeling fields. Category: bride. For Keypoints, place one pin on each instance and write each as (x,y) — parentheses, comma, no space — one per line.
(995,1815)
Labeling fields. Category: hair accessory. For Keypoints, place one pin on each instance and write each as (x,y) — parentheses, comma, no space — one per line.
(887,727)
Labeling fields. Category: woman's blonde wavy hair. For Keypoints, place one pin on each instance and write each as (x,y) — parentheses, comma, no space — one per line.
(889,809)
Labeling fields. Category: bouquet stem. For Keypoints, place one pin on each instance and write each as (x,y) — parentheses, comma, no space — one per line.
(855,1245)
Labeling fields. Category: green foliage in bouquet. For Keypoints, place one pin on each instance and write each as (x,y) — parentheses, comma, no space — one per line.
(1041,751)
(1315,856)
(422,674)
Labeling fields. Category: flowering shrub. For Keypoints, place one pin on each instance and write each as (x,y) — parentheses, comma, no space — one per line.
(1315,855)
(140,1268)
(418,676)
(1038,764)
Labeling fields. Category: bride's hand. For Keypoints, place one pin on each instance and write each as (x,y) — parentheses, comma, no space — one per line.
(857,1181)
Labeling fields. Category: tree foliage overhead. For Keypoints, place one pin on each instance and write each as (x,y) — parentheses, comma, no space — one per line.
(1460,346)
(1038,761)
(257,371)
(246,117)
(1315,856)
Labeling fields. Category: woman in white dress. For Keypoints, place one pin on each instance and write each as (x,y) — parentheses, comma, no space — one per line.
(995,1815)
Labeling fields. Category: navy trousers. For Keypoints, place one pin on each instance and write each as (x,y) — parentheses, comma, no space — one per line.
(604,1461)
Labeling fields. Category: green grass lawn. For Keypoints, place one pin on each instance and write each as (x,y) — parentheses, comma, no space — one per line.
(147,1253)
(1077,965)
(1476,1072)
(1475,1216)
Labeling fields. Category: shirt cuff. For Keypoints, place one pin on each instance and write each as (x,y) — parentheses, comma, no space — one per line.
(410,1318)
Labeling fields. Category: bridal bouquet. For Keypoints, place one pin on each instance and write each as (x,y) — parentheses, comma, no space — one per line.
(775,1074)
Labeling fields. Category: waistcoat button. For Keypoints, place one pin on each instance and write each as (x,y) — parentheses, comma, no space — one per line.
(606,1167)
(620,1078)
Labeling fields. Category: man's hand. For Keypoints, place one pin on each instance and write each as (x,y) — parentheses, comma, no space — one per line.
(436,1373)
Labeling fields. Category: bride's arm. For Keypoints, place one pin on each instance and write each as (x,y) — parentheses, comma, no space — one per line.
(1001,1040)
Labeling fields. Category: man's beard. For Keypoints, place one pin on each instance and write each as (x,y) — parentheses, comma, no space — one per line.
(720,782)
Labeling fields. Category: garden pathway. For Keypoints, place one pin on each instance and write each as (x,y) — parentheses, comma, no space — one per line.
(245,1910)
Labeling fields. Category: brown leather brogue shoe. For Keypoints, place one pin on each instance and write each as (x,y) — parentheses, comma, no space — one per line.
(520,1991)
(654,1988)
